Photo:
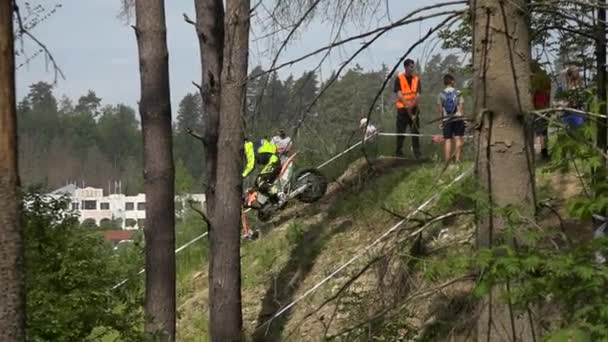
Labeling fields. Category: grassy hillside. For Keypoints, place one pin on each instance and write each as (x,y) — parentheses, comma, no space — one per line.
(292,256)
(402,288)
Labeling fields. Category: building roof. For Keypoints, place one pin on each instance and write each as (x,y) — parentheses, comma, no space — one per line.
(69,189)
(118,235)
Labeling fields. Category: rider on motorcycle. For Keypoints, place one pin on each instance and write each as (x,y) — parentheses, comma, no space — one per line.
(263,152)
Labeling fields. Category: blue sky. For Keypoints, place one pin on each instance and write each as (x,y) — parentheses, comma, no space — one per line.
(98,51)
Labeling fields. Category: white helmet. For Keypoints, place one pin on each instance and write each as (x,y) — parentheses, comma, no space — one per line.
(363,122)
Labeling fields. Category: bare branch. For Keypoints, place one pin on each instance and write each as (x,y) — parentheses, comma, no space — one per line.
(293,30)
(552,11)
(403,21)
(567,29)
(399,216)
(188,20)
(420,227)
(127,10)
(561,125)
(255,7)
(399,305)
(453,14)
(283,45)
(311,73)
(23,31)
(568,109)
(200,212)
(447,215)
(198,86)
(195,135)
(396,66)
(340,291)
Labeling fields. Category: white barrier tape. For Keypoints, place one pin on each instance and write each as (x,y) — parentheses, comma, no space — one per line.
(414,135)
(359,143)
(191,242)
(357,256)
(340,154)
(176,252)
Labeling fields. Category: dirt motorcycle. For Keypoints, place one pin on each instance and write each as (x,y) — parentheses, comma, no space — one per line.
(307,186)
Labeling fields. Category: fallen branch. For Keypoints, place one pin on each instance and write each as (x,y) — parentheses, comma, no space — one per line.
(419,229)
(401,305)
(399,216)
(338,294)
(568,109)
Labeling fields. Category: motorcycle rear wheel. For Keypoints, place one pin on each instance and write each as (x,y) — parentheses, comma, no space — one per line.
(316,185)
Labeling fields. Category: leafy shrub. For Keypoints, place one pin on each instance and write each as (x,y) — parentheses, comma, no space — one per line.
(69,274)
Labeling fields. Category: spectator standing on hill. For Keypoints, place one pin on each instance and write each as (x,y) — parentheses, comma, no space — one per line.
(407,90)
(541,96)
(370,132)
(572,96)
(450,104)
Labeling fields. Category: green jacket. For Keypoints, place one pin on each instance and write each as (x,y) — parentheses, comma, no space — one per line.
(263,146)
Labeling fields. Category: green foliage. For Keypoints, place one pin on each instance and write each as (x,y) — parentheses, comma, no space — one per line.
(189,260)
(118,132)
(85,143)
(110,225)
(189,113)
(460,38)
(570,334)
(184,182)
(39,115)
(66,299)
(562,29)
(89,104)
(187,150)
(273,103)
(568,279)
(294,233)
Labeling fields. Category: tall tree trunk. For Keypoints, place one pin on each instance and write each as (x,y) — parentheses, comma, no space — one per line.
(225,266)
(210,32)
(600,53)
(224,59)
(504,160)
(12,294)
(159,172)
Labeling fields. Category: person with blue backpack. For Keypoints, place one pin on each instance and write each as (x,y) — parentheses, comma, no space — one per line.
(450,104)
(572,96)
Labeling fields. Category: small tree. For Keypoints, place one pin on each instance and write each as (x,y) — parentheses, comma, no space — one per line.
(60,284)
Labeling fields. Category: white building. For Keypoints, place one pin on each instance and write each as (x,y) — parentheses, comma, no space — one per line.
(129,212)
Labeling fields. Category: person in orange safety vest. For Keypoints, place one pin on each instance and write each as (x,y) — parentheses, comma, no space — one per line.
(407,90)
